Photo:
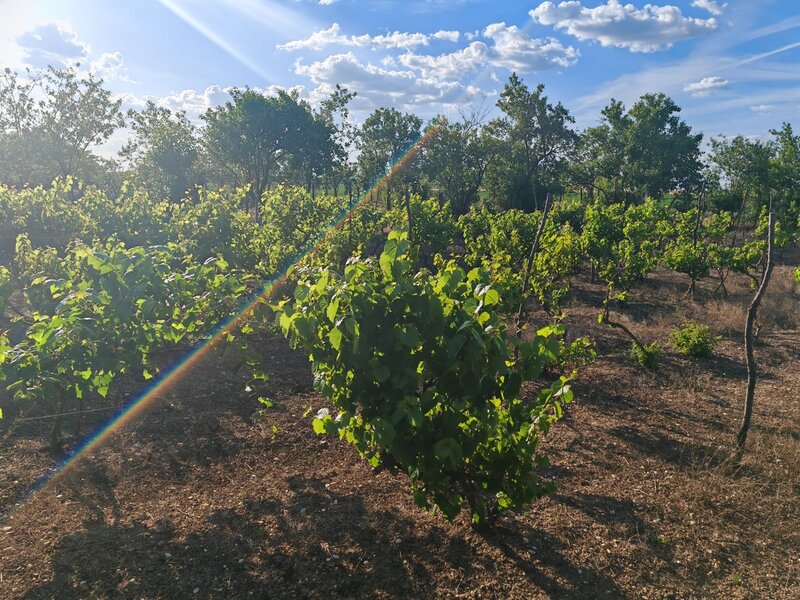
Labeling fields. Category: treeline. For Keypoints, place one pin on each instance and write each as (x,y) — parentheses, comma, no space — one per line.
(52,123)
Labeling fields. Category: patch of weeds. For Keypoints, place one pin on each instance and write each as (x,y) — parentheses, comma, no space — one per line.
(693,339)
(645,356)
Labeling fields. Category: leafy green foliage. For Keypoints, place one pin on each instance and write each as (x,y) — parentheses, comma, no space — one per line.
(31,263)
(576,354)
(646,355)
(255,136)
(216,226)
(359,232)
(433,228)
(530,142)
(107,310)
(424,378)
(684,253)
(623,243)
(693,339)
(163,150)
(644,151)
(50,121)
(455,160)
(386,135)
(293,220)
(45,215)
(501,242)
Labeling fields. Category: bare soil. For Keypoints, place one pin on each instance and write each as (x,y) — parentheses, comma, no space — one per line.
(207,496)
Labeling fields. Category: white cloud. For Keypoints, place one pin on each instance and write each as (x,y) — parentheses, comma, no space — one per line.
(511,49)
(192,102)
(378,86)
(706,86)
(110,67)
(516,51)
(711,6)
(762,109)
(326,2)
(450,36)
(334,36)
(648,29)
(449,66)
(57,44)
(54,43)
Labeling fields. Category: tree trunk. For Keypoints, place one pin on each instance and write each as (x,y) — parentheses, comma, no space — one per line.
(696,234)
(55,434)
(752,313)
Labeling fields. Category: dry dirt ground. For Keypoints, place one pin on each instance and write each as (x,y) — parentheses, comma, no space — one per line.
(204,497)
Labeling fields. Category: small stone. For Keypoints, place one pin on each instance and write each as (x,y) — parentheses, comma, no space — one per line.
(195,590)
(167,555)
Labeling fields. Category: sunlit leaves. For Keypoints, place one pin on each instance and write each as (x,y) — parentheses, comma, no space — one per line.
(110,308)
(424,378)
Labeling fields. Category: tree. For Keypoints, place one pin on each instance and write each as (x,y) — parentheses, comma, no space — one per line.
(533,142)
(163,150)
(50,122)
(745,165)
(335,114)
(455,160)
(786,161)
(602,152)
(785,178)
(386,135)
(662,152)
(256,137)
(645,151)
(752,314)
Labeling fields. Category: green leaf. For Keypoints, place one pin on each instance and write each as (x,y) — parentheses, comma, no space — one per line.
(333,309)
(491,297)
(335,336)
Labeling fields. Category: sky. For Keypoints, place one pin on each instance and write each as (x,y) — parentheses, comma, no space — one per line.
(733,67)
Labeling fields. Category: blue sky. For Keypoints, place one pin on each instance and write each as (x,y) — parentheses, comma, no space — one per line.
(734,67)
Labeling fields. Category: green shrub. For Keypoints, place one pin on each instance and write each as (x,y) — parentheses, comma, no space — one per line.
(692,339)
(577,354)
(424,378)
(645,356)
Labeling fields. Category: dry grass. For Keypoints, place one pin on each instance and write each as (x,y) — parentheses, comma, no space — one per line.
(781,302)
